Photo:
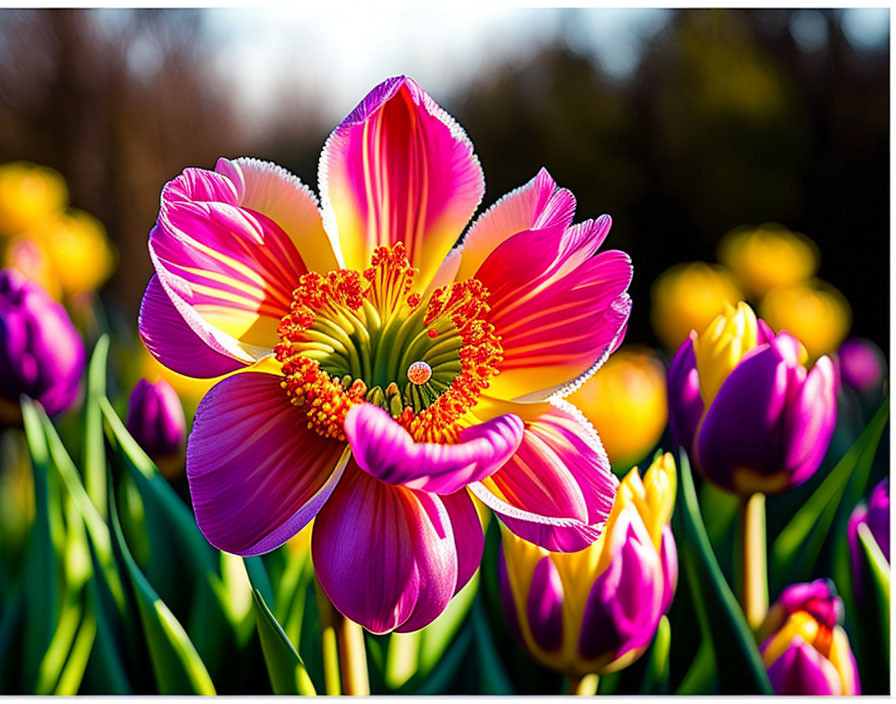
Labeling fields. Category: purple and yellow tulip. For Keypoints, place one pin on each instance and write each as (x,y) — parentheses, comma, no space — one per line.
(875,515)
(806,651)
(156,420)
(741,402)
(596,610)
(41,354)
(386,375)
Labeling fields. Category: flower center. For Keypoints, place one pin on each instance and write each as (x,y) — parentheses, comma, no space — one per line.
(355,336)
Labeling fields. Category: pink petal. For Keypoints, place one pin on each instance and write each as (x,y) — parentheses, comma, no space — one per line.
(257,474)
(385,555)
(172,341)
(801,669)
(229,271)
(559,310)
(537,205)
(385,450)
(557,490)
(467,535)
(399,169)
(271,190)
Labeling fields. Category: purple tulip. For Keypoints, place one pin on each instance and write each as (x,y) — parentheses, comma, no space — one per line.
(863,366)
(759,421)
(41,353)
(156,420)
(807,652)
(876,515)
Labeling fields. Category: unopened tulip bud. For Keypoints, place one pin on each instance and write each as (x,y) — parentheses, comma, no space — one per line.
(761,421)
(807,651)
(156,420)
(596,611)
(41,353)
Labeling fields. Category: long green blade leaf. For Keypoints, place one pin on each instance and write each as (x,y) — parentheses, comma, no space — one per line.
(94,450)
(739,664)
(285,667)
(177,667)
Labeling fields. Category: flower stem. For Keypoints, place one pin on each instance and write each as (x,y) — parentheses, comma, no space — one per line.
(754,569)
(328,622)
(353,658)
(585,686)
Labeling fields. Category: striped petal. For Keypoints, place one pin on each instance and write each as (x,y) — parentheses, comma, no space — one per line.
(557,490)
(228,270)
(385,555)
(560,310)
(399,169)
(257,475)
(537,205)
(468,535)
(385,450)
(271,190)
(173,342)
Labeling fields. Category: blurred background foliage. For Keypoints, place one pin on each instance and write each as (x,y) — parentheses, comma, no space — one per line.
(726,118)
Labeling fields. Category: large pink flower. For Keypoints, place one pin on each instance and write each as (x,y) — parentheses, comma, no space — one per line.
(384,376)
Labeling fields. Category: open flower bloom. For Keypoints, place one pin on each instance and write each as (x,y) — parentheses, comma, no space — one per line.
(596,610)
(804,648)
(388,376)
(626,399)
(744,406)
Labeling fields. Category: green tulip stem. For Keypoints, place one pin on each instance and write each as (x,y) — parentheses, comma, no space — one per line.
(754,565)
(585,686)
(329,619)
(353,658)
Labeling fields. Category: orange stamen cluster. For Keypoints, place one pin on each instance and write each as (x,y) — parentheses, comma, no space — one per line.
(324,400)
(337,299)
(464,304)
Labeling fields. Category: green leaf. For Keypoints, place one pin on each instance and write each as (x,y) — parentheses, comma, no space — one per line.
(795,550)
(285,667)
(71,677)
(96,526)
(880,579)
(656,677)
(40,570)
(177,667)
(493,678)
(94,449)
(54,658)
(740,667)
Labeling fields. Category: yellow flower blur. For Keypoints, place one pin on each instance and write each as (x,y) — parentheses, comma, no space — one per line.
(642,507)
(626,401)
(687,297)
(814,312)
(768,256)
(28,194)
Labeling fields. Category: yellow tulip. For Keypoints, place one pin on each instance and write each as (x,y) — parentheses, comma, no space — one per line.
(626,402)
(814,312)
(28,194)
(768,256)
(720,347)
(687,297)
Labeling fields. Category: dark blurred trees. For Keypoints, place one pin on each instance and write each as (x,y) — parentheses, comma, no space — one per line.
(119,101)
(725,122)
